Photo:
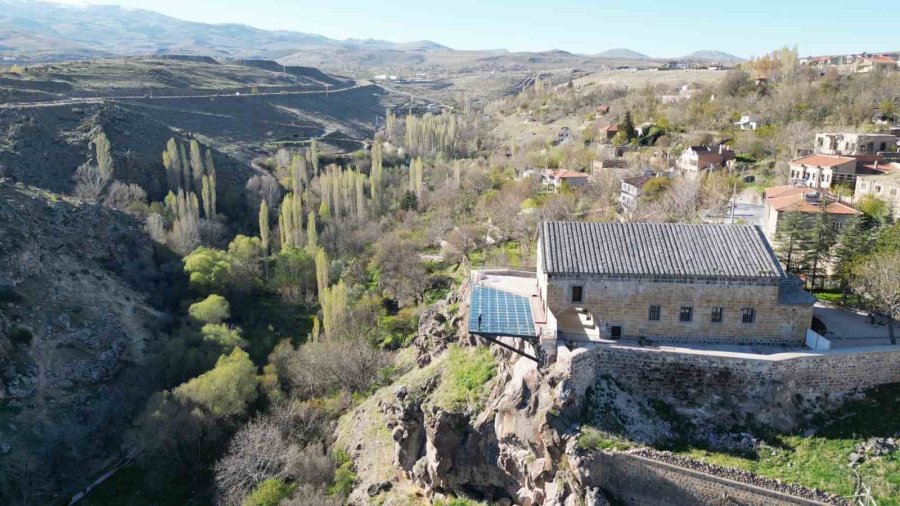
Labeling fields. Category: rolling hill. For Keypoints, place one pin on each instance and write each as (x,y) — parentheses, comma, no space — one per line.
(622,53)
(712,55)
(46,30)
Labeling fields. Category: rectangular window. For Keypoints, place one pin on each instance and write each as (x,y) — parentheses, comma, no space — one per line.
(748,315)
(717,314)
(654,313)
(686,314)
(577,293)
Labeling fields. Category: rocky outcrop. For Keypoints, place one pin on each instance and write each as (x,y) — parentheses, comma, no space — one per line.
(512,451)
(440,324)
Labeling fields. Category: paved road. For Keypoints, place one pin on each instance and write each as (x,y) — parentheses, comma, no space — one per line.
(98,100)
(751,214)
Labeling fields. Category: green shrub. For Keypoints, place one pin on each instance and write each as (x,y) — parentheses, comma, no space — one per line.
(269,493)
(213,309)
(344,476)
(227,337)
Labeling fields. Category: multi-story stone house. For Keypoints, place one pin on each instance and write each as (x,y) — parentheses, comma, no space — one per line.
(779,201)
(666,282)
(885,186)
(853,144)
(823,171)
(696,159)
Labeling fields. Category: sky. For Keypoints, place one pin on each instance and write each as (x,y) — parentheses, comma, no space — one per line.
(658,28)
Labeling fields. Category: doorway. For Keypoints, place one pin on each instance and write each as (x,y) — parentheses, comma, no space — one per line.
(615,331)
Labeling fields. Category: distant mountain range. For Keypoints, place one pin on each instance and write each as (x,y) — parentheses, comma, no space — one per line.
(46,30)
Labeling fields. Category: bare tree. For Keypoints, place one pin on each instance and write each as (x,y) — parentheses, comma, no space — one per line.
(263,187)
(257,452)
(878,279)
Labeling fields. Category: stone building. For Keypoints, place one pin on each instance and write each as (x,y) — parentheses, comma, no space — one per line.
(779,201)
(885,185)
(852,144)
(668,282)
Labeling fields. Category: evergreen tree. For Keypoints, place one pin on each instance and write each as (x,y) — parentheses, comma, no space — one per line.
(409,202)
(627,127)
(818,247)
(853,244)
(790,237)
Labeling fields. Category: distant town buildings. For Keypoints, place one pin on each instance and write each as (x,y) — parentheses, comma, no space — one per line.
(860,63)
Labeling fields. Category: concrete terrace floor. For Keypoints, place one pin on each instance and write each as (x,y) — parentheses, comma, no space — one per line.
(847,327)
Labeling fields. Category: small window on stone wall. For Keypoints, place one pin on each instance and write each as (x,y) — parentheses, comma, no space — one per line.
(686,314)
(748,315)
(654,313)
(717,314)
(577,294)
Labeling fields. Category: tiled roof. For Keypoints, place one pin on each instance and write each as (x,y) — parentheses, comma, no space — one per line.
(657,250)
(565,173)
(637,181)
(822,160)
(791,199)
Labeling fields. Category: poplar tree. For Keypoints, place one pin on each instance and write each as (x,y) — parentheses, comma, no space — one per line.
(185,168)
(312,235)
(196,163)
(103,152)
(264,235)
(322,268)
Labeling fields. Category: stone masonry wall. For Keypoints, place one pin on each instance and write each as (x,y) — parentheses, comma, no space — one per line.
(627,303)
(772,389)
(638,481)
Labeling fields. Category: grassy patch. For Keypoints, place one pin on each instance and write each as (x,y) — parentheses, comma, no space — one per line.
(467,372)
(591,439)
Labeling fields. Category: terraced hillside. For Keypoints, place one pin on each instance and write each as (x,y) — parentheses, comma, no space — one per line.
(49,114)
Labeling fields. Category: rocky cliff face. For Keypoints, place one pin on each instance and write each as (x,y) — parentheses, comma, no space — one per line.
(73,317)
(512,448)
(521,445)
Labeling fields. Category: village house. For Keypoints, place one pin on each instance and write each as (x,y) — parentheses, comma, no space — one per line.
(853,144)
(781,200)
(631,190)
(747,122)
(560,177)
(823,171)
(885,185)
(696,159)
(609,131)
(667,282)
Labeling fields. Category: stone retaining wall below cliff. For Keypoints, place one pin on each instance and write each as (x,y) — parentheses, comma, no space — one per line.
(666,371)
(634,480)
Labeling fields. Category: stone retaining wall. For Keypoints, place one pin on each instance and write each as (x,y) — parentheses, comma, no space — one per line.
(636,480)
(775,390)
